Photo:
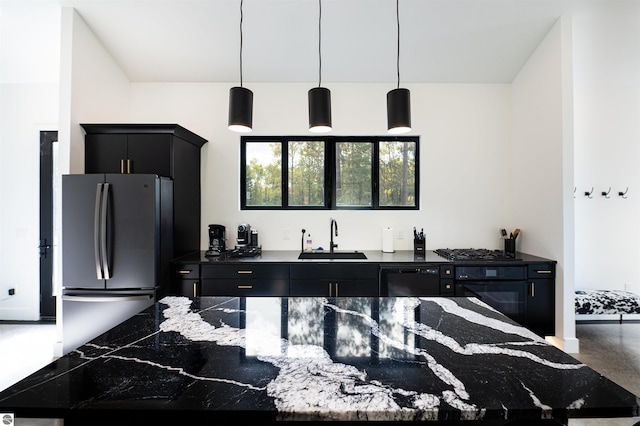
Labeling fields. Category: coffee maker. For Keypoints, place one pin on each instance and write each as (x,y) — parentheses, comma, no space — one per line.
(216,240)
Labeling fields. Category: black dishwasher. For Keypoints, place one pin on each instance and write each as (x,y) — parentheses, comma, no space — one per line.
(409,280)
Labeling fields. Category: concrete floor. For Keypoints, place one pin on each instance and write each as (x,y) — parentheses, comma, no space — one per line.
(613,350)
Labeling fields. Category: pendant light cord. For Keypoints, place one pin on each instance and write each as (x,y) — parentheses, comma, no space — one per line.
(398,54)
(241,19)
(319,43)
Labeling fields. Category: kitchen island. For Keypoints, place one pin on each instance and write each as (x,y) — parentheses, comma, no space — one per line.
(196,360)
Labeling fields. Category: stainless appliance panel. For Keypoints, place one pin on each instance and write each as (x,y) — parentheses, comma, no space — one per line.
(86,314)
(79,262)
(399,281)
(133,230)
(508,297)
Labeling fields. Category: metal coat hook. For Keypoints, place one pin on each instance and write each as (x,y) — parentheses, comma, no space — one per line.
(588,193)
(623,194)
(606,194)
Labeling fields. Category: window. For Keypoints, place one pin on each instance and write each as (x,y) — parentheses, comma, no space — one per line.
(306,173)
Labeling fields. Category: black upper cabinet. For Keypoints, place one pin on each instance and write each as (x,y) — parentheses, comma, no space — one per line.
(162,149)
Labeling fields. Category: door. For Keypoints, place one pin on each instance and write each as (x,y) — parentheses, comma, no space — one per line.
(150,154)
(105,154)
(508,297)
(47,167)
(133,229)
(79,264)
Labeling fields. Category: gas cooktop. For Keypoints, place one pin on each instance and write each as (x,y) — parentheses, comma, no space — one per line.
(475,254)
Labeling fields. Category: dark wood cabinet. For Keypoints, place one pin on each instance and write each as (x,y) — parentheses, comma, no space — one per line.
(163,149)
(185,279)
(245,280)
(334,280)
(540,315)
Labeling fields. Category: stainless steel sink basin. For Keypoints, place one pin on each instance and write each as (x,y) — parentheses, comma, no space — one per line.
(334,255)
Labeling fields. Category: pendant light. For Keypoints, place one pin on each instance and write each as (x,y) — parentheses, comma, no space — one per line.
(319,97)
(240,99)
(398,100)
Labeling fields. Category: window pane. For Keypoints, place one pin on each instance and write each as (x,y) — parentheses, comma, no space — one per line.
(353,174)
(397,173)
(264,174)
(306,173)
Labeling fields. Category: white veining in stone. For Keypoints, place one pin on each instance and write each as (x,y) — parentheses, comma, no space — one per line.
(547,411)
(310,385)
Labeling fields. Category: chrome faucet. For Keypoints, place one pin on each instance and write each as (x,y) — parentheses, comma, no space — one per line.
(331,225)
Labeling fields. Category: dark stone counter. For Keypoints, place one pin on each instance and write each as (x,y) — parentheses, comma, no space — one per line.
(185,361)
(373,256)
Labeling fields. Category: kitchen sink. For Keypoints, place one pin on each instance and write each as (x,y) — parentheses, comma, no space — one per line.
(334,255)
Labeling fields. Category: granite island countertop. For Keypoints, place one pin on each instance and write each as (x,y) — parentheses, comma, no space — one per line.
(184,361)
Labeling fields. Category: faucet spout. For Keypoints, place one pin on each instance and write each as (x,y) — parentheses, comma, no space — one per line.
(332,225)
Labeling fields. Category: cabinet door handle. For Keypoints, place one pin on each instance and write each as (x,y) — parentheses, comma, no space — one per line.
(337,290)
(532,289)
(245,287)
(121,166)
(543,271)
(329,289)
(245,272)
(195,289)
(128,166)
(183,271)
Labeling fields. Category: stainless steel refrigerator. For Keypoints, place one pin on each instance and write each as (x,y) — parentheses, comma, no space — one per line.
(117,242)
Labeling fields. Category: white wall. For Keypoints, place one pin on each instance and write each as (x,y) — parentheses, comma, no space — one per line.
(607,147)
(29,72)
(464,147)
(542,158)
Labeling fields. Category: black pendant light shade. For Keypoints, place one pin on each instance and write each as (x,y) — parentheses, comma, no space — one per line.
(398,111)
(319,110)
(240,109)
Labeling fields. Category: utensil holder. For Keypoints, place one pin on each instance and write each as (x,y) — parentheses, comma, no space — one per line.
(510,246)
(418,246)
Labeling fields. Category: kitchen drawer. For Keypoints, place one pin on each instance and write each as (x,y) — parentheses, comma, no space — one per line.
(247,270)
(333,288)
(185,271)
(341,271)
(541,270)
(245,287)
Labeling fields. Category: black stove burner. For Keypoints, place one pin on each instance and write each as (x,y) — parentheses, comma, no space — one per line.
(475,254)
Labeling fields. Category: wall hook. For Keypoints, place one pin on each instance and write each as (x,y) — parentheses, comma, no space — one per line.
(588,193)
(575,188)
(623,194)
(606,194)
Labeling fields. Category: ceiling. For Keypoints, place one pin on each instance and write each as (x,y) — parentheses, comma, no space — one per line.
(441,41)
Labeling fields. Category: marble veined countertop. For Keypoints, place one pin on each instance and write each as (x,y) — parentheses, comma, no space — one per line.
(195,361)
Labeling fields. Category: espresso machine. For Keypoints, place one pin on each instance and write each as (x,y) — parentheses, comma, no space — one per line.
(217,235)
(246,242)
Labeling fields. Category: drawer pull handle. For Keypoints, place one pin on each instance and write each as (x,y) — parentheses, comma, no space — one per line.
(245,272)
(184,271)
(543,271)
(245,287)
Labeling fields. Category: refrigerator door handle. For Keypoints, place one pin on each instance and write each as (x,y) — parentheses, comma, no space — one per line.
(103,227)
(100,299)
(97,234)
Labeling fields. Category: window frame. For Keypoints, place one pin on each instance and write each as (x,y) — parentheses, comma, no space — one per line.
(330,202)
